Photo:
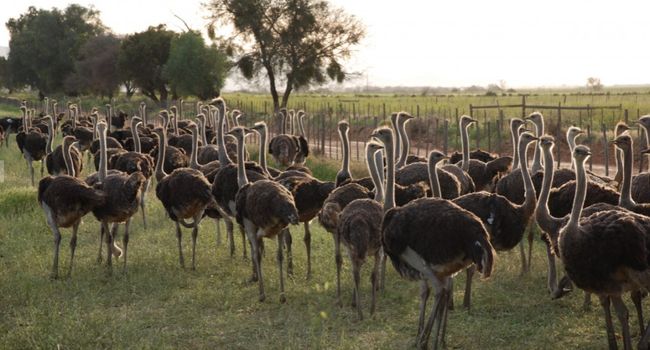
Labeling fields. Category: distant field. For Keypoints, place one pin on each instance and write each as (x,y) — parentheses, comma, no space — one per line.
(160,306)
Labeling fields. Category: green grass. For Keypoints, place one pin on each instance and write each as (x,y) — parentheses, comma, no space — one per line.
(158,305)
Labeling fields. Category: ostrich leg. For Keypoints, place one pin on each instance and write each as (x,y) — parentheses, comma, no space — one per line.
(623,317)
(552,271)
(288,240)
(256,255)
(307,240)
(609,326)
(218,233)
(434,316)
(445,313)
(356,295)
(179,236)
(424,296)
(195,234)
(73,244)
(57,241)
(636,297)
(339,262)
(283,298)
(243,241)
(229,232)
(101,243)
(530,244)
(142,203)
(125,242)
(374,279)
(522,252)
(467,300)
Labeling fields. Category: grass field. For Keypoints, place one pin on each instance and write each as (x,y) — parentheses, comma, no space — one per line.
(158,305)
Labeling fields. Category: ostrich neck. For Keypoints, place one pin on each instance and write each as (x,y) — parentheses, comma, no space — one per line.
(67,158)
(434,182)
(626,200)
(379,165)
(283,123)
(374,175)
(263,146)
(465,147)
(406,145)
(223,155)
(194,162)
(514,134)
(537,162)
(95,127)
(136,137)
(242,180)
(175,125)
(162,145)
(302,127)
(50,136)
(144,116)
(204,138)
(619,165)
(398,137)
(571,141)
(389,201)
(103,166)
(345,167)
(581,193)
(74,118)
(542,214)
(529,202)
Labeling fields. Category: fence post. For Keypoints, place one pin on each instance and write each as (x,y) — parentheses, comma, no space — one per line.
(499,126)
(627,118)
(489,137)
(445,145)
(559,132)
(604,130)
(523,106)
(591,159)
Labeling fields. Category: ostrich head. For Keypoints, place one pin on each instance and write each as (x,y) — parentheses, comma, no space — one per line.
(516,123)
(620,128)
(201,118)
(384,135)
(343,126)
(537,119)
(373,147)
(573,132)
(466,121)
(436,157)
(68,141)
(403,117)
(101,127)
(526,138)
(193,127)
(624,142)
(259,127)
(581,153)
(239,132)
(547,142)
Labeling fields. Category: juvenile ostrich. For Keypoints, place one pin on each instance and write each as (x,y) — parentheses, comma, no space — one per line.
(402,119)
(483,174)
(641,182)
(175,158)
(208,152)
(606,253)
(477,154)
(431,248)
(185,193)
(55,160)
(265,209)
(34,145)
(131,162)
(303,144)
(344,174)
(505,221)
(359,230)
(85,135)
(65,200)
(619,129)
(122,198)
(283,147)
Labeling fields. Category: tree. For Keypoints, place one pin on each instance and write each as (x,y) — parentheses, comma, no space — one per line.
(141,60)
(193,68)
(96,71)
(5,75)
(45,43)
(594,84)
(298,42)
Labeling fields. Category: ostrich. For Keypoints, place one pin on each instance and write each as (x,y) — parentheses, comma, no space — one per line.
(477,154)
(283,147)
(175,158)
(265,209)
(606,253)
(122,198)
(10,125)
(130,162)
(56,161)
(359,231)
(84,135)
(208,152)
(33,144)
(506,221)
(431,248)
(619,129)
(178,139)
(303,149)
(402,119)
(641,182)
(344,175)
(483,174)
(65,200)
(185,193)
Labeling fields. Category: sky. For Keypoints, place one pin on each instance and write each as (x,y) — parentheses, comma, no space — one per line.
(450,43)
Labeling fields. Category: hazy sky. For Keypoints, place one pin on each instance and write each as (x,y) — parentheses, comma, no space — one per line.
(459,42)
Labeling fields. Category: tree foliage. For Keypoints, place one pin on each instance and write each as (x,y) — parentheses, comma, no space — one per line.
(594,84)
(45,44)
(142,58)
(96,70)
(298,42)
(194,68)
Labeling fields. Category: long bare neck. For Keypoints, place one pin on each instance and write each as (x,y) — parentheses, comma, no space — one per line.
(379,165)
(263,146)
(175,124)
(537,162)
(542,211)
(626,200)
(374,175)
(136,137)
(529,201)
(223,155)
(581,194)
(514,135)
(67,159)
(571,141)
(74,118)
(162,148)
(346,152)
(144,116)
(302,126)
(103,161)
(465,147)
(50,136)
(284,123)
(434,181)
(619,165)
(194,162)
(204,138)
(389,201)
(406,145)
(242,180)
(398,138)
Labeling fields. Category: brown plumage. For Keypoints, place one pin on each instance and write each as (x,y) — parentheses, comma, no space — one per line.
(417,173)
(429,247)
(561,198)
(477,154)
(111,142)
(284,147)
(55,161)
(265,209)
(606,254)
(34,145)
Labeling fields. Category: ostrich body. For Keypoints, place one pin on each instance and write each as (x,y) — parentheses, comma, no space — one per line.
(477,154)
(606,253)
(208,152)
(56,161)
(123,193)
(283,147)
(303,144)
(431,248)
(65,199)
(359,230)
(265,209)
(185,193)
(34,145)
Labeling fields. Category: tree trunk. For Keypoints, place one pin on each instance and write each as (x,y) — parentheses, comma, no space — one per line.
(151,94)
(274,93)
(287,92)
(163,96)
